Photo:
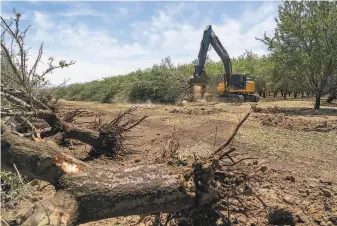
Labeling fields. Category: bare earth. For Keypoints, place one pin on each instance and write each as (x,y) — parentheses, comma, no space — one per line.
(296,143)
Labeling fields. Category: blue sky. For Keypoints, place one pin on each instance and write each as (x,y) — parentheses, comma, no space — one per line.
(111,38)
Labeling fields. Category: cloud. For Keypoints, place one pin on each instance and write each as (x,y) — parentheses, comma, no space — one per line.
(100,51)
(123,11)
(42,21)
(82,9)
(178,39)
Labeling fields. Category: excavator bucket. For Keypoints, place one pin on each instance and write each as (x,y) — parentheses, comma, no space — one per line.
(200,80)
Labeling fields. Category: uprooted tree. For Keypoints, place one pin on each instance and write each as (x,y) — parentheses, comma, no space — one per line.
(32,128)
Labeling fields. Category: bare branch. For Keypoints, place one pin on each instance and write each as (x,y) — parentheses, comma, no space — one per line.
(233,133)
(9,58)
(17,100)
(38,59)
(56,88)
(61,65)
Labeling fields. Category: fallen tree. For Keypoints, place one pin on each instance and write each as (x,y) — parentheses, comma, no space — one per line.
(98,192)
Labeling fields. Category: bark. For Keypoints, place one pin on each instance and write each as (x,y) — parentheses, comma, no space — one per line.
(264,95)
(302,94)
(84,135)
(318,99)
(285,95)
(32,159)
(16,100)
(68,130)
(71,131)
(275,94)
(295,95)
(95,193)
(103,193)
(268,93)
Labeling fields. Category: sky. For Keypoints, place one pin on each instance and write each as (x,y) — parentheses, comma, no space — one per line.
(111,38)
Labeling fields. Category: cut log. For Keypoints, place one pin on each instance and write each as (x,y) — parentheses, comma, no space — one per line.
(103,193)
(33,159)
(84,135)
(100,192)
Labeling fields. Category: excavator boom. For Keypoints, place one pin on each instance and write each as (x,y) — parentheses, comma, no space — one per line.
(209,38)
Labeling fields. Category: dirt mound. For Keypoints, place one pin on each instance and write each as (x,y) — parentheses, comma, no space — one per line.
(285,122)
(197,111)
(295,110)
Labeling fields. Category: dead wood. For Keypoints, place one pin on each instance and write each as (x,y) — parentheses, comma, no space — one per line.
(32,159)
(103,193)
(237,127)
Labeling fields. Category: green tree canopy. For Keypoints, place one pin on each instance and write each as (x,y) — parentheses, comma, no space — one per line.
(305,44)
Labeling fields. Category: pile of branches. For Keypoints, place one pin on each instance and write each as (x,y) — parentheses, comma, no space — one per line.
(106,138)
(29,113)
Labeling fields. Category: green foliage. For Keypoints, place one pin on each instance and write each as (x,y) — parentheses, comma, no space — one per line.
(304,46)
(163,83)
(11,188)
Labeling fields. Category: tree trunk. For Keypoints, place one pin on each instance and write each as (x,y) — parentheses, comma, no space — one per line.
(95,193)
(318,99)
(289,94)
(285,95)
(302,94)
(295,95)
(275,94)
(281,93)
(268,93)
(264,95)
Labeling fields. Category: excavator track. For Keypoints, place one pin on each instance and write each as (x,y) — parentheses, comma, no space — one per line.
(230,98)
(252,97)
(233,98)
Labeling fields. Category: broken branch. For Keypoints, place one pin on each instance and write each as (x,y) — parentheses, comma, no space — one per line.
(237,127)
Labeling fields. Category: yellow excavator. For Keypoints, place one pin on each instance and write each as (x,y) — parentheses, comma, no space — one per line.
(232,87)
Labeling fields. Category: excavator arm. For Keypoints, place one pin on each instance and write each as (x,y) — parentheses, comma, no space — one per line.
(209,38)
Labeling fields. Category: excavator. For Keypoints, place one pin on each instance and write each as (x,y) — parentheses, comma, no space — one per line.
(233,87)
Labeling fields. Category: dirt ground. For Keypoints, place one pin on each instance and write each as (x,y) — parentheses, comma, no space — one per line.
(296,143)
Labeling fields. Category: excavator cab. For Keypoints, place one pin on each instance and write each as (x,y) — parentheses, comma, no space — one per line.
(238,81)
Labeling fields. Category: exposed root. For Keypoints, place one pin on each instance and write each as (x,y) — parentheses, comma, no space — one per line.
(112,135)
(70,116)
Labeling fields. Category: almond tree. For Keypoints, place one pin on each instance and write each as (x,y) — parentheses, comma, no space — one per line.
(15,73)
(305,41)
